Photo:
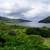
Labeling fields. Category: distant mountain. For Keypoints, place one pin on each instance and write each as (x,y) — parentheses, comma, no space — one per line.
(46,20)
(13,20)
(36,19)
(21,20)
(4,18)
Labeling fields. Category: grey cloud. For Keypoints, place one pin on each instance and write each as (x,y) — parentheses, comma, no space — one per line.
(19,12)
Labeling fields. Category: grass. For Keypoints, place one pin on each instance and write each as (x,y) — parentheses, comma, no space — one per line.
(47,42)
(21,40)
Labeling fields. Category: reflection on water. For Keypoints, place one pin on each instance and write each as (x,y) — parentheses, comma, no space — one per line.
(32,24)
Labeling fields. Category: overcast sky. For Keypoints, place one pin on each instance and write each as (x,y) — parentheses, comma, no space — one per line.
(24,8)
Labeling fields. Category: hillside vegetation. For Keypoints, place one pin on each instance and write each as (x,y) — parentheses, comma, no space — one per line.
(14,37)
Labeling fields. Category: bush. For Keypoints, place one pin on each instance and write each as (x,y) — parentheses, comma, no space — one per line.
(44,32)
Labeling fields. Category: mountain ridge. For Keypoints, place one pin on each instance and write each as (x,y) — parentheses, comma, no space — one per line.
(46,20)
(15,20)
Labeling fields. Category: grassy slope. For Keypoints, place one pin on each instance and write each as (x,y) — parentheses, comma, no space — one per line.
(21,41)
(47,42)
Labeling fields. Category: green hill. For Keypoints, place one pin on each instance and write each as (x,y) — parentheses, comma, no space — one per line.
(14,37)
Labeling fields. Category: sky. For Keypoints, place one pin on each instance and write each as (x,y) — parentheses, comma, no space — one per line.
(24,8)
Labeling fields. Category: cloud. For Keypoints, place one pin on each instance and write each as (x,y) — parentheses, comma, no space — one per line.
(24,8)
(6,5)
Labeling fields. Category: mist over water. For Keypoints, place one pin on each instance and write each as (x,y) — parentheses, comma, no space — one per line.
(32,24)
